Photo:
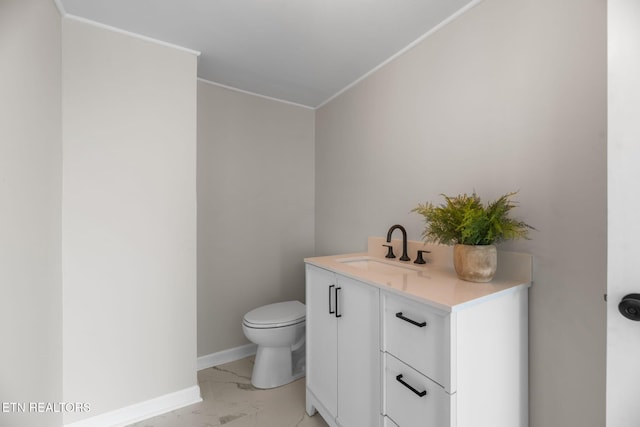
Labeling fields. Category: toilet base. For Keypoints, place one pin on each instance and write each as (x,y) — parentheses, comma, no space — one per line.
(277,366)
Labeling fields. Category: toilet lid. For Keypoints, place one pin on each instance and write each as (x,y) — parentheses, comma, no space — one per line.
(276,315)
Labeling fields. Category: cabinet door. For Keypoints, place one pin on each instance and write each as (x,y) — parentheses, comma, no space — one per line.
(358,354)
(321,337)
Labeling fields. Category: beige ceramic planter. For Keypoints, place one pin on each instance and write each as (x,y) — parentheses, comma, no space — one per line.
(475,263)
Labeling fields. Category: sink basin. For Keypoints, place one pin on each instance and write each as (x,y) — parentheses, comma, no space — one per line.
(379,266)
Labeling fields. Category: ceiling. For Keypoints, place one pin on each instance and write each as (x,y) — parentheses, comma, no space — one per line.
(300,51)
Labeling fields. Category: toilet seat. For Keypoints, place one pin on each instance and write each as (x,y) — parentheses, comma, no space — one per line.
(276,315)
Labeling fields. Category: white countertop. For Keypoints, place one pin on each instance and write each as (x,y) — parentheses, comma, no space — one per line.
(435,285)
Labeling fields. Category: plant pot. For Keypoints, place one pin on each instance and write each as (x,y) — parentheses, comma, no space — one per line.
(475,263)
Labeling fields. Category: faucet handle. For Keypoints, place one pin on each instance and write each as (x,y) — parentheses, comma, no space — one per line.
(419,259)
(390,253)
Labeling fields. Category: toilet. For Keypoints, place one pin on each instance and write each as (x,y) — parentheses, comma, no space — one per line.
(279,331)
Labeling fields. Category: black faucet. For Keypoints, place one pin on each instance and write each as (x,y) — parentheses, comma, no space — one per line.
(404,256)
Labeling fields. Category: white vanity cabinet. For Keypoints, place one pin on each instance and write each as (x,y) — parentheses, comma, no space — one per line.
(343,349)
(405,346)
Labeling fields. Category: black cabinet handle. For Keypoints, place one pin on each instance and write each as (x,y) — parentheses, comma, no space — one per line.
(330,310)
(419,393)
(337,313)
(413,322)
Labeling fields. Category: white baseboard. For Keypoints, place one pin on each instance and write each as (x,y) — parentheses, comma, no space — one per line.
(143,410)
(226,356)
(169,402)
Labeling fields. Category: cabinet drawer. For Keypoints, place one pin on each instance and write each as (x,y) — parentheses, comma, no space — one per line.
(433,407)
(419,336)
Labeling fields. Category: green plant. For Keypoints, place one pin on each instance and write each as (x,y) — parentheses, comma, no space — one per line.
(465,220)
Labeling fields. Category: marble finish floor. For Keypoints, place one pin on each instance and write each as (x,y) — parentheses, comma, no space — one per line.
(230,400)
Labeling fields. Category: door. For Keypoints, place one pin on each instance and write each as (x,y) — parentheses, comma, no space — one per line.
(358,354)
(321,324)
(623,156)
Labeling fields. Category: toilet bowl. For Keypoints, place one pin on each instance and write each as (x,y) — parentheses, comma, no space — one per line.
(279,331)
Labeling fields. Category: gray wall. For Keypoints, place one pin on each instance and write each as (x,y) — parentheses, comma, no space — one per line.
(128,219)
(255,208)
(30,204)
(511,96)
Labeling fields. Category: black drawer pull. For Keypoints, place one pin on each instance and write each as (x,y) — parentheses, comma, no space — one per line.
(413,322)
(338,314)
(330,310)
(419,393)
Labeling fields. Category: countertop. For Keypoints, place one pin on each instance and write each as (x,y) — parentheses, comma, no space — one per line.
(435,284)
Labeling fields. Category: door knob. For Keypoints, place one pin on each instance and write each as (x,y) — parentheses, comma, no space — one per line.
(630,306)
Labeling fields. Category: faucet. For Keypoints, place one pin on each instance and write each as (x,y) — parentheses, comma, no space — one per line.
(404,256)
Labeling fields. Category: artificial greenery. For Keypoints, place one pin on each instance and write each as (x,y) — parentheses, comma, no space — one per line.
(465,220)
